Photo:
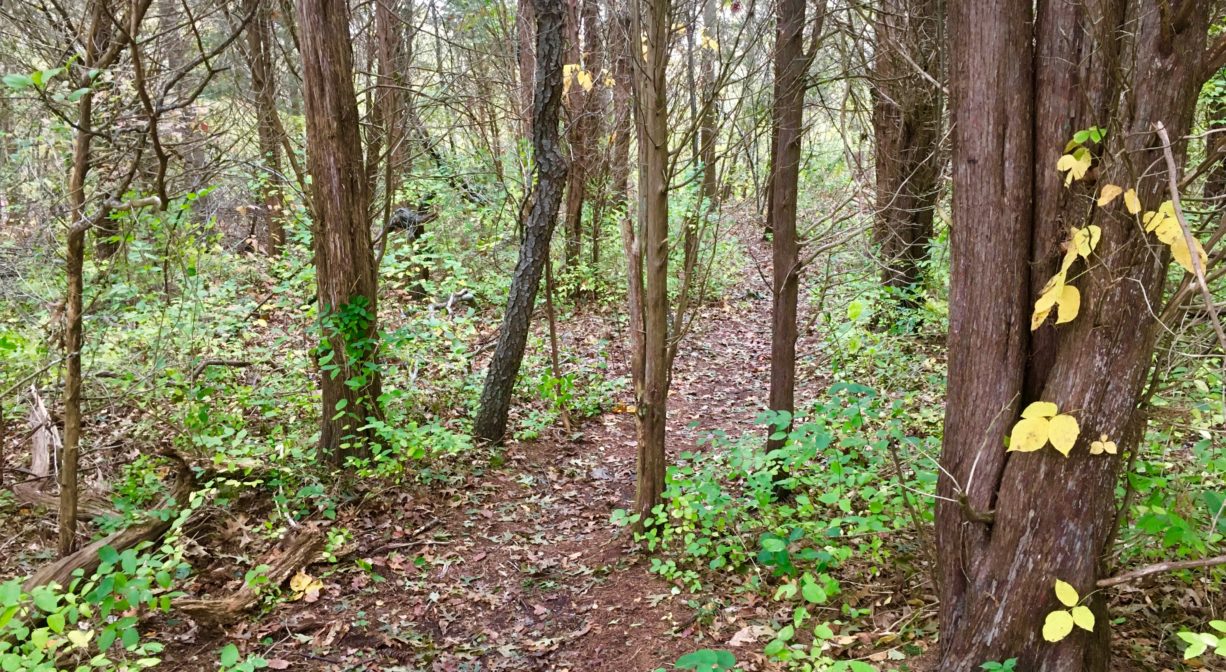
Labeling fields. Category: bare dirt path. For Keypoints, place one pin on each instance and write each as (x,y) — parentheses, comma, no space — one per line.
(518,567)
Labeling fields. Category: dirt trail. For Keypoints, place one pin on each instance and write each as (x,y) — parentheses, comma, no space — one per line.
(520,569)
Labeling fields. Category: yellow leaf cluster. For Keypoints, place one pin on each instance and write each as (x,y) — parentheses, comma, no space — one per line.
(1103,445)
(305,585)
(705,41)
(1056,294)
(1165,226)
(573,72)
(1111,191)
(1060,622)
(1041,423)
(1076,164)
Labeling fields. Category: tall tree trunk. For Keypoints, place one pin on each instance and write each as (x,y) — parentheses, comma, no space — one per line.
(340,198)
(576,135)
(651,118)
(1052,516)
(791,64)
(491,421)
(267,126)
(907,108)
(525,23)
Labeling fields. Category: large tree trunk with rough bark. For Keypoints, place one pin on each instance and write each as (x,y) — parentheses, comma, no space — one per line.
(791,66)
(491,421)
(907,109)
(651,20)
(1021,86)
(340,197)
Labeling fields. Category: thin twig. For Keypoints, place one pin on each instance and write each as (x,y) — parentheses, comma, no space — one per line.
(1160,568)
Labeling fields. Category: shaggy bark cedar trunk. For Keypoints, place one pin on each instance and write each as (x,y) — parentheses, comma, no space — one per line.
(1052,515)
(907,108)
(260,57)
(651,119)
(491,421)
(791,64)
(340,198)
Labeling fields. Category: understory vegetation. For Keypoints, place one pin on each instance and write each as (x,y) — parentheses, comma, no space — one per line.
(234,469)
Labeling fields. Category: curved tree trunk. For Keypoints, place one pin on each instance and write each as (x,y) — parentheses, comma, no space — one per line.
(340,198)
(1052,516)
(491,421)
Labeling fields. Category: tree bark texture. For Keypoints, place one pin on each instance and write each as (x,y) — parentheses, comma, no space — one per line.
(340,198)
(491,421)
(907,110)
(791,64)
(260,59)
(1021,85)
(652,20)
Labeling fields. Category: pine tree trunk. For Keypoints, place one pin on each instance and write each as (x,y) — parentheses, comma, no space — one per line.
(491,421)
(340,197)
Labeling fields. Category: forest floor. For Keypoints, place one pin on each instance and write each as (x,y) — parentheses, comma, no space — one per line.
(518,567)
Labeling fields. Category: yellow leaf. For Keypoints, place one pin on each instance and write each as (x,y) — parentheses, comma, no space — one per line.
(1029,434)
(80,638)
(1076,164)
(1083,617)
(1040,409)
(1103,445)
(1069,303)
(1057,626)
(1096,233)
(1167,208)
(1069,258)
(1038,318)
(1049,297)
(1151,220)
(1169,232)
(303,583)
(1063,433)
(585,79)
(1132,202)
(1109,193)
(1179,250)
(1067,594)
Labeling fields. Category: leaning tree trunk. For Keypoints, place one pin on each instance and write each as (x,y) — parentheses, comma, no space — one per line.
(649,79)
(1010,524)
(791,64)
(340,196)
(491,421)
(907,107)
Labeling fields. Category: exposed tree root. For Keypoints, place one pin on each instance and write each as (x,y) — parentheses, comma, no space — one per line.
(297,550)
(87,559)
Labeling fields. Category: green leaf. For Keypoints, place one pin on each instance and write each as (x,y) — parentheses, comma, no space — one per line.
(108,555)
(45,599)
(773,545)
(229,655)
(56,622)
(18,82)
(10,593)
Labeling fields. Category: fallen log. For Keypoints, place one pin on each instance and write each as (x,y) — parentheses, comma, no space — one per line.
(295,552)
(87,559)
